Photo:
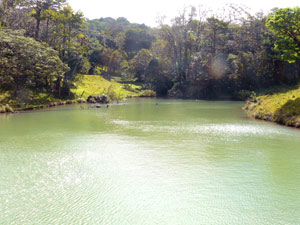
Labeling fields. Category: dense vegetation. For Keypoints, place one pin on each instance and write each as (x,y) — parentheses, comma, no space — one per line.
(42,48)
(96,85)
(45,45)
(201,55)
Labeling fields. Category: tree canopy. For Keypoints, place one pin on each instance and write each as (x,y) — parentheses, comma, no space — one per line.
(199,55)
(285,23)
(25,62)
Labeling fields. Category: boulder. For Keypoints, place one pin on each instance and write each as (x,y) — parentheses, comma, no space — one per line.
(61,103)
(52,104)
(102,99)
(80,101)
(91,99)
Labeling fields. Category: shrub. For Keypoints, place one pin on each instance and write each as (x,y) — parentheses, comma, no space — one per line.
(148,93)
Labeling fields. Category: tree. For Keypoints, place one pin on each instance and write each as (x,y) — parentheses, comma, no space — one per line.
(140,62)
(6,7)
(39,10)
(135,40)
(215,35)
(155,78)
(286,26)
(68,24)
(25,62)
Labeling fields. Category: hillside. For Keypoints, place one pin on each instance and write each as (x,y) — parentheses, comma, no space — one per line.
(282,107)
(96,85)
(86,86)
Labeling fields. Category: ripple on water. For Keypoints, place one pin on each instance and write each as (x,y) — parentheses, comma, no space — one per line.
(233,130)
(134,165)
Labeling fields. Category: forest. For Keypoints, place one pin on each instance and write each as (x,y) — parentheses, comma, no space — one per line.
(45,46)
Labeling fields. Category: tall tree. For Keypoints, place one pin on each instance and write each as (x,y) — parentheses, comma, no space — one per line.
(5,7)
(285,23)
(25,62)
(68,25)
(39,10)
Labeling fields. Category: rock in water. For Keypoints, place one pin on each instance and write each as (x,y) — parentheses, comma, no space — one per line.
(102,99)
(91,99)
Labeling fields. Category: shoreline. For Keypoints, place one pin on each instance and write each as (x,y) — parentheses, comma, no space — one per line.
(8,109)
(280,117)
(250,109)
(12,110)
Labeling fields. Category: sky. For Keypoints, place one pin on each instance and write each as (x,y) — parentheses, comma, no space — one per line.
(139,11)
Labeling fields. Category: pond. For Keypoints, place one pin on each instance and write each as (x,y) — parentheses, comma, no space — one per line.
(148,161)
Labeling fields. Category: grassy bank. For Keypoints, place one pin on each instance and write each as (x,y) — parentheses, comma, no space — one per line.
(30,101)
(281,105)
(87,85)
(96,85)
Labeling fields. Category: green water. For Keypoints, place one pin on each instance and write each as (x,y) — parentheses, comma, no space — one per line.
(141,163)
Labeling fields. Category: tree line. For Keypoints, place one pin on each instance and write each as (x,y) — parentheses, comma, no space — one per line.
(45,45)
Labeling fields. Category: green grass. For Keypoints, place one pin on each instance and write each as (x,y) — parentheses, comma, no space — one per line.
(33,100)
(86,85)
(282,106)
(96,85)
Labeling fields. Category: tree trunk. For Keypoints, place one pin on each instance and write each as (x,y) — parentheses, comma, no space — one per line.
(47,30)
(64,43)
(38,23)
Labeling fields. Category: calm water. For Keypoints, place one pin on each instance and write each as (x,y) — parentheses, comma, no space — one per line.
(141,163)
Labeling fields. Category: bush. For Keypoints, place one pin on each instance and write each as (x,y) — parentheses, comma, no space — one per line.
(41,64)
(148,93)
(129,87)
(2,109)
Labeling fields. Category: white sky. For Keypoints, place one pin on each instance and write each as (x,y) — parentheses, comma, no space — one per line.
(140,11)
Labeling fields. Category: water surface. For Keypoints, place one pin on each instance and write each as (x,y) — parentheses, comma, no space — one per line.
(148,161)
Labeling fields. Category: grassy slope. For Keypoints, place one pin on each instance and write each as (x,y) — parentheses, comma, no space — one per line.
(96,85)
(282,107)
(88,84)
(34,100)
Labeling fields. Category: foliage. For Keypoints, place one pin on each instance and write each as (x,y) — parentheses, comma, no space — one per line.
(135,40)
(97,85)
(139,63)
(155,79)
(148,94)
(199,55)
(283,106)
(26,63)
(286,26)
